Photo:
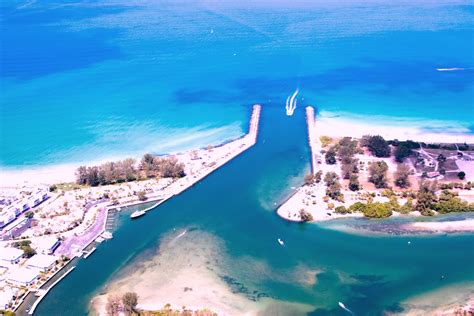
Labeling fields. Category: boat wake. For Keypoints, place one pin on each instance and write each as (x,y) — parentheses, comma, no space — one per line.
(345,308)
(291,103)
(452,69)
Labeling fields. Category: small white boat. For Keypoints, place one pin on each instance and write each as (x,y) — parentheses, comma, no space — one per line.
(107,235)
(137,214)
(281,242)
(182,234)
(341,305)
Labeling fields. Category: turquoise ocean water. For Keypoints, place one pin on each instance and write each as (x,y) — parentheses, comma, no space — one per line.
(84,81)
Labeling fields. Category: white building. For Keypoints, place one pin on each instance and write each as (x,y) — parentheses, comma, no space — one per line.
(47,245)
(23,276)
(7,294)
(41,262)
(10,255)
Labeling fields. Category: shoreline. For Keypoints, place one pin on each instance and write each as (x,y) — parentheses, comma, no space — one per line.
(341,124)
(334,124)
(79,238)
(311,198)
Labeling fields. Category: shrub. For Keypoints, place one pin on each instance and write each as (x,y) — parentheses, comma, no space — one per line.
(357,207)
(342,210)
(305,216)
(377,210)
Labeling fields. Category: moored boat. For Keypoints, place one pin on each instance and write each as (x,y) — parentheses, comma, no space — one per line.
(137,214)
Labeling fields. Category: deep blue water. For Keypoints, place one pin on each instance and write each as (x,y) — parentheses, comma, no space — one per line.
(92,80)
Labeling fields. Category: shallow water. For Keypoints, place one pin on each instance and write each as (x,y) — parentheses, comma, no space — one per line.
(233,207)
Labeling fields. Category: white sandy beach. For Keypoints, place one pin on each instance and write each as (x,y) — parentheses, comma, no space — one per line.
(346,124)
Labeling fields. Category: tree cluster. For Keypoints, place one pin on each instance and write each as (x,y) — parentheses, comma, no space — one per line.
(378,174)
(311,178)
(371,210)
(25,245)
(377,145)
(107,173)
(404,149)
(401,176)
(126,170)
(305,216)
(333,187)
(166,167)
(330,156)
(347,148)
(127,304)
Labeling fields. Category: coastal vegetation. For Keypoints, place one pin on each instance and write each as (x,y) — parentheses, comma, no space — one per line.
(333,187)
(427,202)
(401,176)
(128,170)
(378,174)
(330,156)
(305,216)
(403,149)
(127,305)
(25,245)
(377,145)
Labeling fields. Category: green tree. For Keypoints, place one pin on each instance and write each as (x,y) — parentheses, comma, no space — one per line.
(357,207)
(130,301)
(342,210)
(28,251)
(425,198)
(141,195)
(305,216)
(330,156)
(81,175)
(354,184)
(461,175)
(401,176)
(333,187)
(309,179)
(114,305)
(377,210)
(401,152)
(318,176)
(378,174)
(378,146)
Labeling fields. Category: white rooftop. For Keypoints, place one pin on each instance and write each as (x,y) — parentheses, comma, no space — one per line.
(23,275)
(10,254)
(41,261)
(46,243)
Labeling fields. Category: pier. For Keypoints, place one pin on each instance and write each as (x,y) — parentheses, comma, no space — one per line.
(312,139)
(254,120)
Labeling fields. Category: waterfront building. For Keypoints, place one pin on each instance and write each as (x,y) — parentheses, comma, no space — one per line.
(41,262)
(48,245)
(10,255)
(23,276)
